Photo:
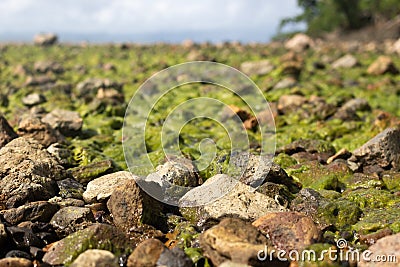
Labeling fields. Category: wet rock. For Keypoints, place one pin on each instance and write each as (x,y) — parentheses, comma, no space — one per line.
(48,66)
(6,132)
(389,245)
(100,189)
(69,188)
(85,174)
(174,257)
(97,236)
(299,43)
(290,103)
(96,258)
(289,230)
(39,80)
(286,82)
(130,207)
(146,253)
(45,39)
(23,238)
(40,211)
(69,123)
(33,127)
(382,65)
(240,201)
(18,254)
(27,172)
(347,61)
(15,262)
(235,240)
(71,219)
(33,100)
(383,150)
(261,67)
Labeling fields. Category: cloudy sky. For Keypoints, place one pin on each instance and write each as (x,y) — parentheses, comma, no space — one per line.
(144,20)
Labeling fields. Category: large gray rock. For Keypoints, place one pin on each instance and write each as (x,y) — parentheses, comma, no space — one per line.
(69,123)
(96,258)
(6,132)
(40,211)
(71,219)
(347,61)
(27,173)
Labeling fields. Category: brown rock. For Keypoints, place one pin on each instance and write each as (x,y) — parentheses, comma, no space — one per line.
(146,253)
(41,211)
(290,103)
(33,127)
(289,230)
(382,65)
(6,132)
(384,247)
(299,43)
(45,39)
(15,262)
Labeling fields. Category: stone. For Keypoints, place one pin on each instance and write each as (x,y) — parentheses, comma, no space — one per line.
(341,154)
(131,207)
(383,150)
(69,123)
(96,236)
(27,173)
(33,100)
(235,240)
(382,65)
(396,47)
(289,230)
(384,247)
(40,211)
(391,180)
(15,262)
(45,39)
(290,103)
(233,264)
(71,219)
(39,80)
(88,88)
(33,127)
(173,258)
(307,145)
(260,68)
(24,238)
(85,174)
(70,188)
(286,82)
(18,254)
(299,43)
(146,253)
(3,234)
(6,132)
(347,61)
(231,199)
(61,153)
(48,66)
(95,258)
(101,188)
(348,111)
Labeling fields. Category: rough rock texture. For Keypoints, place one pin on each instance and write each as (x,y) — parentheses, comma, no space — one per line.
(348,111)
(173,258)
(6,132)
(71,219)
(27,173)
(96,258)
(233,199)
(45,39)
(261,67)
(389,245)
(131,207)
(382,65)
(69,188)
(382,150)
(48,66)
(33,99)
(15,262)
(101,188)
(290,103)
(235,240)
(289,230)
(69,123)
(40,211)
(299,43)
(146,253)
(33,127)
(97,236)
(347,61)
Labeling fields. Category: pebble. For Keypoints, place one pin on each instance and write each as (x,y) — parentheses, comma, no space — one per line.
(95,258)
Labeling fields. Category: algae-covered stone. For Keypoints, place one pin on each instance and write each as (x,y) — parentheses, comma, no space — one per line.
(86,173)
(308,145)
(370,198)
(97,236)
(391,180)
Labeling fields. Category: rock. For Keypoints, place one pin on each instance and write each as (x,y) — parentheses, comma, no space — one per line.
(290,103)
(235,240)
(396,47)
(146,253)
(299,43)
(18,254)
(62,203)
(233,199)
(291,69)
(347,61)
(110,96)
(383,150)
(39,80)
(27,173)
(382,65)
(23,238)
(33,127)
(69,188)
(233,264)
(96,236)
(89,87)
(173,258)
(307,145)
(131,207)
(61,153)
(40,211)
(45,39)
(101,188)
(48,66)
(95,258)
(6,132)
(69,123)
(389,245)
(261,67)
(370,239)
(286,82)
(71,219)
(15,262)
(33,100)
(85,174)
(391,180)
(341,154)
(289,230)
(348,110)
(3,234)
